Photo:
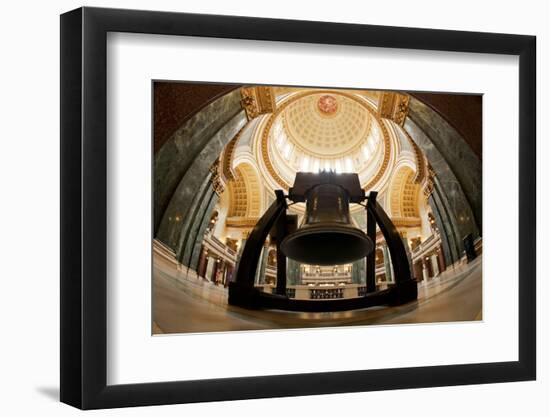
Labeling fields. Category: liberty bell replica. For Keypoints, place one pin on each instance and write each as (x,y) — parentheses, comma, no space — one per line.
(327,235)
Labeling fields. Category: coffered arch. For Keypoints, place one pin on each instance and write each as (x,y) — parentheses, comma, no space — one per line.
(245,193)
(404,193)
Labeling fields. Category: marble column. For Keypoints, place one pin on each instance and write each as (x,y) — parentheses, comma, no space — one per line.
(228,275)
(292,272)
(209,267)
(425,273)
(435,266)
(260,271)
(387,264)
(201,270)
(441,260)
(359,272)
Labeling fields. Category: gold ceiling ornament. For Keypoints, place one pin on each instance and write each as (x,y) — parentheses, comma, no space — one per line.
(327,105)
(241,222)
(405,222)
(268,125)
(257,100)
(216,181)
(394,106)
(429,187)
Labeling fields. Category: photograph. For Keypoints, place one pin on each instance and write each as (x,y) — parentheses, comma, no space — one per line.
(286,207)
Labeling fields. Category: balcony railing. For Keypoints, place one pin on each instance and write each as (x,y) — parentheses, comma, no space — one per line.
(426,247)
(212,243)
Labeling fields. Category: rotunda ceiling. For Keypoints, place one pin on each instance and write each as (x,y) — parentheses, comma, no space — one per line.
(326,125)
(316,130)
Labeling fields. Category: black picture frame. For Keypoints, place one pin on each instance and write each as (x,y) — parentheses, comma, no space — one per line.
(84,207)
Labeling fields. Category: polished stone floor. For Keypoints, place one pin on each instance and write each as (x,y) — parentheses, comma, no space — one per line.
(182,305)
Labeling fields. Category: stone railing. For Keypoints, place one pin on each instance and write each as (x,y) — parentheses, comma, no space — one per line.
(270,271)
(164,252)
(217,247)
(426,247)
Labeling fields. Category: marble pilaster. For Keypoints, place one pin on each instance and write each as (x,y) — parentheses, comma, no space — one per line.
(199,216)
(202,197)
(195,253)
(450,248)
(425,273)
(387,264)
(435,265)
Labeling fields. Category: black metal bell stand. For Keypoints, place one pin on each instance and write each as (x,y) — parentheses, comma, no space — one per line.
(326,237)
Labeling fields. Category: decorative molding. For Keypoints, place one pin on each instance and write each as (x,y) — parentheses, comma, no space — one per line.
(257,100)
(241,222)
(394,106)
(227,157)
(406,222)
(429,187)
(216,181)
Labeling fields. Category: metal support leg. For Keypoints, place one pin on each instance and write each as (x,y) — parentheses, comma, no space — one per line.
(371,266)
(281,258)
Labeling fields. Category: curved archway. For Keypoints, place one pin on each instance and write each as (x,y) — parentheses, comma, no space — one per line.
(245,193)
(404,194)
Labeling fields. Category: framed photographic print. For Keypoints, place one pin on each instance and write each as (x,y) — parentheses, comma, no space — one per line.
(258,208)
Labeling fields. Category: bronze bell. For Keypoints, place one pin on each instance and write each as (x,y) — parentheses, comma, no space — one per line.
(327,235)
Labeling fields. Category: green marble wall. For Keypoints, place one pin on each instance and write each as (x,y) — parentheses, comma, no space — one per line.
(191,184)
(454,208)
(292,272)
(359,272)
(457,166)
(196,209)
(218,121)
(200,218)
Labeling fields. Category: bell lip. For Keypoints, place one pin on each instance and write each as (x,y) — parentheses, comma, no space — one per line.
(336,229)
